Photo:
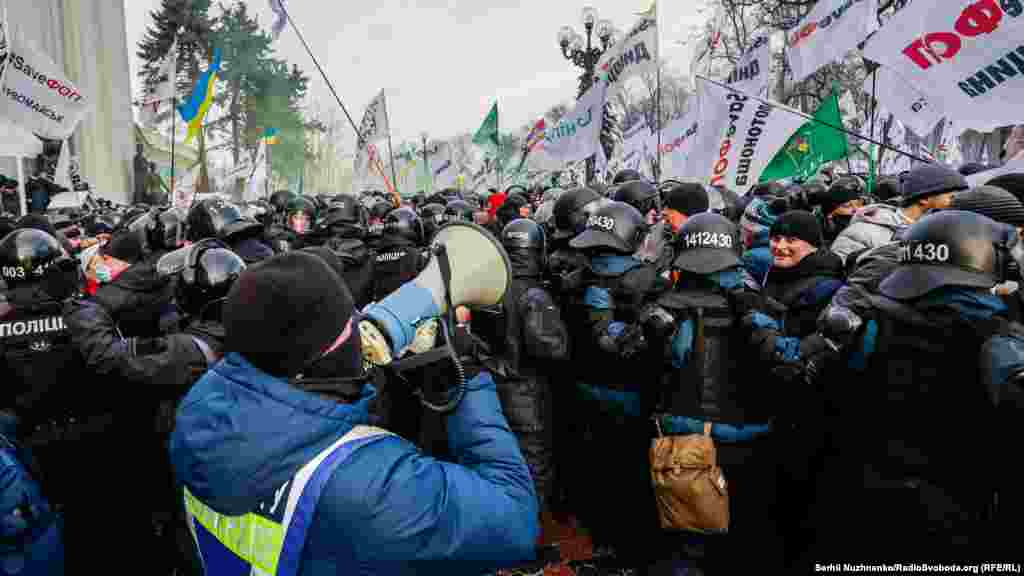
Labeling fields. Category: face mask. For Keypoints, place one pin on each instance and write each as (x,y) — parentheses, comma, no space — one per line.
(103,273)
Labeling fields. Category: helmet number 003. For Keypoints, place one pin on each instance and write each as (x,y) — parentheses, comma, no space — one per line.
(605,223)
(708,240)
(13,272)
(924,252)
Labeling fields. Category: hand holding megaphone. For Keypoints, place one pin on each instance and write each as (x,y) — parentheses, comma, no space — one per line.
(468,267)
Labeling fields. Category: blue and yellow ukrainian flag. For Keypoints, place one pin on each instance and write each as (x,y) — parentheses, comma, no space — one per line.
(271,136)
(194,110)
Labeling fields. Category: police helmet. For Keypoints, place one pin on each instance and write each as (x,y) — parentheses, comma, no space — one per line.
(210,268)
(459,211)
(404,223)
(627,175)
(571,211)
(708,243)
(301,205)
(948,248)
(347,217)
(887,188)
(523,233)
(639,194)
(615,225)
(32,257)
(170,229)
(380,209)
(279,200)
(433,218)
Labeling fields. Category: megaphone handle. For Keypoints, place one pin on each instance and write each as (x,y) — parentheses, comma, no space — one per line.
(445,267)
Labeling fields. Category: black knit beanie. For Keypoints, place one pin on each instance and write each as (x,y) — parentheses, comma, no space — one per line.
(285,313)
(991,201)
(798,224)
(688,199)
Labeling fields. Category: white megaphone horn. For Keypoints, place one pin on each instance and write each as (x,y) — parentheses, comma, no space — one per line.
(468,267)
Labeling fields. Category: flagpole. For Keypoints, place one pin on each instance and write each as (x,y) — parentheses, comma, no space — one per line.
(391,154)
(321,70)
(874,113)
(811,118)
(174,124)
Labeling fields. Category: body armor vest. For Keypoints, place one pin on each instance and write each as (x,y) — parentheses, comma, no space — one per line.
(718,383)
(39,357)
(395,263)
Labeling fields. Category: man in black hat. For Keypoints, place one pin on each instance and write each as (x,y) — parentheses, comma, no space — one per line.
(925,188)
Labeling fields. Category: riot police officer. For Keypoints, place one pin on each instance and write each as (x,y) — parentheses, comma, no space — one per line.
(708,378)
(535,340)
(614,396)
(939,371)
(346,224)
(399,254)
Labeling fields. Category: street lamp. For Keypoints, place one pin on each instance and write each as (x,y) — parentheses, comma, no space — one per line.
(425,151)
(583,54)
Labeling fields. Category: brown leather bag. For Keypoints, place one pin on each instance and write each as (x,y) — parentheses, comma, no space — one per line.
(688,484)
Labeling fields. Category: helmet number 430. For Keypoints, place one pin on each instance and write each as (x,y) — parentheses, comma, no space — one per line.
(924,252)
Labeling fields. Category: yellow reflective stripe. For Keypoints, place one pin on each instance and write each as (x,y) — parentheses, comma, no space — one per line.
(252,538)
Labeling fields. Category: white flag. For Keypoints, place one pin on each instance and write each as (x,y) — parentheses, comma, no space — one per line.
(738,136)
(577,135)
(374,124)
(833,28)
(280,19)
(36,94)
(4,50)
(636,53)
(965,55)
(751,71)
(912,106)
(713,41)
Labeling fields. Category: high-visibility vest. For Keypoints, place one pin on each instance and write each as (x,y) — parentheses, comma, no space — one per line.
(269,540)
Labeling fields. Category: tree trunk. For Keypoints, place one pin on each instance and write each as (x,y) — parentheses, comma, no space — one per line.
(236,144)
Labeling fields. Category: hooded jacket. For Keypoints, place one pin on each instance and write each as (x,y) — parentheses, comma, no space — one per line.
(871,227)
(241,434)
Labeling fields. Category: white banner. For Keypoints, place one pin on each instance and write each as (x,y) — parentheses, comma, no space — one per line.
(577,135)
(833,28)
(965,55)
(636,53)
(738,137)
(36,94)
(913,107)
(636,148)
(677,141)
(751,72)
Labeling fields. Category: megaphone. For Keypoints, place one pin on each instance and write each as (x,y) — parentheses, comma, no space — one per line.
(468,267)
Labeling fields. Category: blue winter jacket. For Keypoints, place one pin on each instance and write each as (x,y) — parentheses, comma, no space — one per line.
(241,433)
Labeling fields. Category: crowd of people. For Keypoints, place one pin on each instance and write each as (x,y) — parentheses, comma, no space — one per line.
(191,391)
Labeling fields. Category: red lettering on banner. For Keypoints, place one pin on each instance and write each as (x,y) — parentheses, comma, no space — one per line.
(982,17)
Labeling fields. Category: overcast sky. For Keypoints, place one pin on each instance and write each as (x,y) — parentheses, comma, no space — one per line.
(442,63)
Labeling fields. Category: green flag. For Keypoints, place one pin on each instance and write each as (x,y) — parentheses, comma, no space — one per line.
(487,135)
(813,144)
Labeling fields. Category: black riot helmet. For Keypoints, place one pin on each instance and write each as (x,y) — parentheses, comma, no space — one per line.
(380,209)
(526,246)
(639,194)
(32,257)
(210,268)
(210,218)
(171,229)
(459,211)
(708,243)
(346,217)
(627,175)
(404,223)
(571,211)
(279,200)
(433,219)
(616,226)
(950,248)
